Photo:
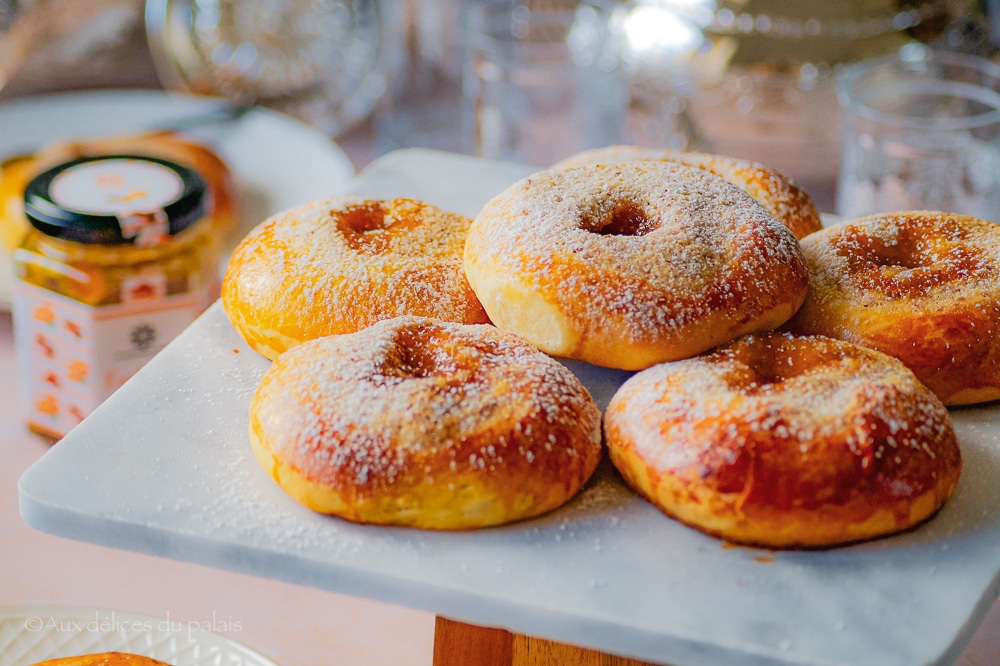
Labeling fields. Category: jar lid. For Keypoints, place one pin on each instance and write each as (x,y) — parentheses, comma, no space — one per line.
(115,200)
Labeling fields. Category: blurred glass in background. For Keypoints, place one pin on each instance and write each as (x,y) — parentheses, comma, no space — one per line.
(748,78)
(542,79)
(317,60)
(921,132)
(757,78)
(420,107)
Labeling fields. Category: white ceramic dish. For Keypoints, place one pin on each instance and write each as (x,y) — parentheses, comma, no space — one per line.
(278,162)
(164,467)
(29,634)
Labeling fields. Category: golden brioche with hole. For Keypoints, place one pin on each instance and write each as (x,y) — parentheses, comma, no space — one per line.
(104,659)
(341,264)
(921,286)
(776,192)
(630,264)
(427,424)
(782,441)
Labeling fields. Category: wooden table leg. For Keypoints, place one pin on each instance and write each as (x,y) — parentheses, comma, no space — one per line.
(460,644)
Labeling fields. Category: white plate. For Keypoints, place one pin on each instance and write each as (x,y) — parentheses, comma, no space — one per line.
(30,634)
(164,467)
(278,162)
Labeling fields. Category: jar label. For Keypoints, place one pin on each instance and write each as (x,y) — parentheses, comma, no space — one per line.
(134,191)
(72,356)
(117,187)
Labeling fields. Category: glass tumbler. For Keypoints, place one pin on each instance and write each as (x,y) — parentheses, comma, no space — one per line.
(921,132)
(420,108)
(542,79)
(317,60)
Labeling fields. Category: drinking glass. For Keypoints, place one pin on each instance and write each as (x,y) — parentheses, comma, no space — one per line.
(318,60)
(420,107)
(921,131)
(542,79)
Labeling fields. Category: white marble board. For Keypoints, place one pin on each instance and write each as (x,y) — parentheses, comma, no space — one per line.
(164,467)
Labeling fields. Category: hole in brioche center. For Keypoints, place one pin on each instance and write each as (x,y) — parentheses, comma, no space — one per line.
(370,226)
(898,257)
(774,361)
(413,362)
(626,220)
(910,265)
(417,353)
(361,218)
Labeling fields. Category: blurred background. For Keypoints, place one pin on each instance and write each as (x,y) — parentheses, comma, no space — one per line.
(748,78)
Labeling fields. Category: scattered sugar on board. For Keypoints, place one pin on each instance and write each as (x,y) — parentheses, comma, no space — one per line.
(242,511)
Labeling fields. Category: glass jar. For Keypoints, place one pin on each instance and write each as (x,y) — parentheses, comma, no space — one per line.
(120,258)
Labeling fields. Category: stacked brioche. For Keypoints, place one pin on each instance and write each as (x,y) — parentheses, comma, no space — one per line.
(680,266)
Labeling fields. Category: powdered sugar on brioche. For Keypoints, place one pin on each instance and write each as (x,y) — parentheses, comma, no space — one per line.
(638,253)
(921,286)
(340,264)
(918,255)
(805,388)
(775,191)
(411,402)
(786,441)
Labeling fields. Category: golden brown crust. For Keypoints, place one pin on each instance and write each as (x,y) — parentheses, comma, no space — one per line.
(341,264)
(630,264)
(426,424)
(775,191)
(785,442)
(921,286)
(103,659)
